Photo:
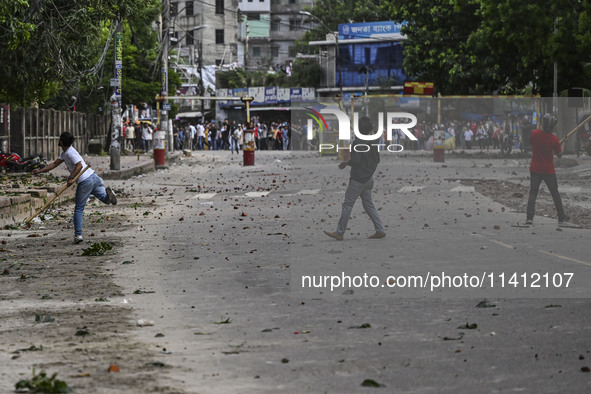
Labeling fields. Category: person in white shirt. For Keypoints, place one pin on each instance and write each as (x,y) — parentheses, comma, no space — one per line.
(468,138)
(147,137)
(200,135)
(130,137)
(89,183)
(193,132)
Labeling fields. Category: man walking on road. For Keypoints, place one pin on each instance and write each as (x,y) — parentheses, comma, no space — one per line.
(89,183)
(363,165)
(544,145)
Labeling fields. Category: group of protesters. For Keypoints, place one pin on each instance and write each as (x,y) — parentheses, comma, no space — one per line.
(138,136)
(484,134)
(229,135)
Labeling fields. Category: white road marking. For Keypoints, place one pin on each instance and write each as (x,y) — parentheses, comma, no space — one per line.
(565,258)
(307,192)
(465,189)
(256,194)
(204,196)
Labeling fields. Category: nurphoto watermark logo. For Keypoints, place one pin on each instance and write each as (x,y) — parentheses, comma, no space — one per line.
(391,121)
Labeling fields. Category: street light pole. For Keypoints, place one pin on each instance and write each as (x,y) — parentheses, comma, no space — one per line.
(162,134)
(201,84)
(337,50)
(116,122)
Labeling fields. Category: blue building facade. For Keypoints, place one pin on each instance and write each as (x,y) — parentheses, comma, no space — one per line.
(369,57)
(381,60)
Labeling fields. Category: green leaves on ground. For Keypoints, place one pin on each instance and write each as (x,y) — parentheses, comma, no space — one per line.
(42,384)
(98,249)
(485,304)
(138,291)
(40,318)
(371,383)
(364,325)
(223,321)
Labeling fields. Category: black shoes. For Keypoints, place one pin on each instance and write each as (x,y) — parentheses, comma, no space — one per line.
(112,196)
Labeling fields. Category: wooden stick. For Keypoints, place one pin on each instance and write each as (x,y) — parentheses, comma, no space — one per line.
(60,191)
(576,129)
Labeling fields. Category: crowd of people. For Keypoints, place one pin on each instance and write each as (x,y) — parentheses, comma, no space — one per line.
(484,134)
(229,135)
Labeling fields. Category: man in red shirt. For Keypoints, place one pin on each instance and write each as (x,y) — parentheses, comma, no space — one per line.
(544,145)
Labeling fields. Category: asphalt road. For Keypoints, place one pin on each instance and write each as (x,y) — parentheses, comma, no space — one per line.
(225,249)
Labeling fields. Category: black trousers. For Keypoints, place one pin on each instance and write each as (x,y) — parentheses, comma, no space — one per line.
(534,187)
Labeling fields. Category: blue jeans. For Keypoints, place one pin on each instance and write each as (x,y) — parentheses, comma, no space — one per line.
(93,185)
(354,191)
(234,144)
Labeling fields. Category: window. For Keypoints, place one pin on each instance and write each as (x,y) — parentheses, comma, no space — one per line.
(189,8)
(189,40)
(275,51)
(219,36)
(219,6)
(256,51)
(294,24)
(253,17)
(292,1)
(174,8)
(276,25)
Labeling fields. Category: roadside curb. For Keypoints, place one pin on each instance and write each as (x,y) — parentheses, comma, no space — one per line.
(15,209)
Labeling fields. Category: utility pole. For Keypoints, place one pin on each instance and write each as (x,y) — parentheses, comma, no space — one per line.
(338,59)
(162,133)
(201,84)
(116,121)
(246,46)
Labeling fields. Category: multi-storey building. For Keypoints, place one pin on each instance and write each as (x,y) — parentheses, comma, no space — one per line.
(203,38)
(203,34)
(257,34)
(267,31)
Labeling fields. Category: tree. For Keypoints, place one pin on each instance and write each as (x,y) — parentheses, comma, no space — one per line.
(479,46)
(436,48)
(522,41)
(334,12)
(496,46)
(13,30)
(54,44)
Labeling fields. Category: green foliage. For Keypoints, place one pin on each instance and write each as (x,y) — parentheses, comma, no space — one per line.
(41,383)
(495,46)
(56,47)
(436,47)
(306,73)
(98,249)
(18,30)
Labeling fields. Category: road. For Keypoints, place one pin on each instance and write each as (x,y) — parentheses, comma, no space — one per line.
(216,253)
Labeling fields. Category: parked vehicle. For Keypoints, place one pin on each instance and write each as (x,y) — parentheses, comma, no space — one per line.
(12,162)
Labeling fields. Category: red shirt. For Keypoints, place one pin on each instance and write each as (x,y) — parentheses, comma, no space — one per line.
(543,145)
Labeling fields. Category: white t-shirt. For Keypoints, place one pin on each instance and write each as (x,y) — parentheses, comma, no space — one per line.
(200,130)
(146,133)
(468,135)
(71,157)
